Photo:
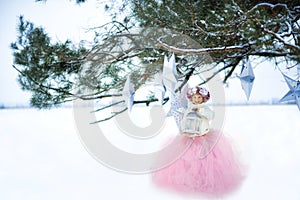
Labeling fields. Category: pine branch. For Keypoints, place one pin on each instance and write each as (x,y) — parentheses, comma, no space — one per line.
(41,85)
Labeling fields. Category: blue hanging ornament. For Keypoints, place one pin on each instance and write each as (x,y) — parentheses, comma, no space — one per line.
(293,96)
(247,78)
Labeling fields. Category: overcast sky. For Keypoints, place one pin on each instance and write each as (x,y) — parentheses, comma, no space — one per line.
(63,19)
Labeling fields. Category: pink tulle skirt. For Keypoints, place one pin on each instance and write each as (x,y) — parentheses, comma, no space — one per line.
(209,166)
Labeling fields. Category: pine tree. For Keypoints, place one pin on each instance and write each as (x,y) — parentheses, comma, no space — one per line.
(220,34)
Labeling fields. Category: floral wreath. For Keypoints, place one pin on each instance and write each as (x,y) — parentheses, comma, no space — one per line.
(198,90)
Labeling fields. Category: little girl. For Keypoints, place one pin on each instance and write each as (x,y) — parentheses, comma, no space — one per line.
(196,118)
(209,166)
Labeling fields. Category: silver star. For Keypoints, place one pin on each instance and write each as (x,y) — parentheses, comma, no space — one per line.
(293,95)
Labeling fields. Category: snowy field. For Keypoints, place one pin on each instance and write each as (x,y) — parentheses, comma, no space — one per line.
(42,157)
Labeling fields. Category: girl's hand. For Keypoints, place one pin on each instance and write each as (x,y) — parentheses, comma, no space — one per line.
(195,109)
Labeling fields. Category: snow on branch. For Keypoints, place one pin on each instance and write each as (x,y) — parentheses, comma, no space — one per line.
(202,50)
(278,37)
(269,6)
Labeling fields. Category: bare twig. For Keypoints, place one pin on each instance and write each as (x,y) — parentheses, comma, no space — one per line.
(100,96)
(113,115)
(186,78)
(278,37)
(108,106)
(233,66)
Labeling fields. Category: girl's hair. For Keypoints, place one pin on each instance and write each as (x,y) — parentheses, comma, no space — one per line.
(198,90)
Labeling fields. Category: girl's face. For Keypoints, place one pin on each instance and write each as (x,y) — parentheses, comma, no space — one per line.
(197,99)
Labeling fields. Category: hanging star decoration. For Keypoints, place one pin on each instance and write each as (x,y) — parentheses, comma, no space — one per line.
(159,88)
(167,81)
(170,76)
(128,93)
(293,96)
(178,105)
(247,78)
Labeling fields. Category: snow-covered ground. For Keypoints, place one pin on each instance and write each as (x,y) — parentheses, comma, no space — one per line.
(42,157)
